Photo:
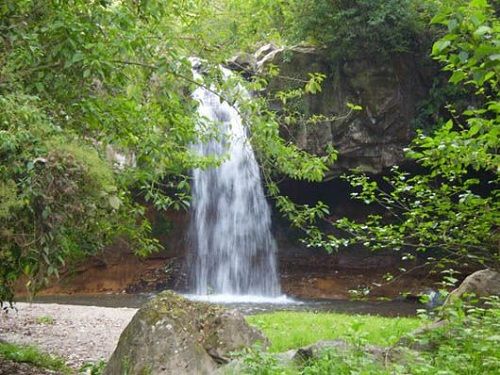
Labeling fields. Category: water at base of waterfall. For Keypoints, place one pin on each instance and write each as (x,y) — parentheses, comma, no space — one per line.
(243,299)
(233,250)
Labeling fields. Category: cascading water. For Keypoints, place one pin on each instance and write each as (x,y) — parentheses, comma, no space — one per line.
(234,252)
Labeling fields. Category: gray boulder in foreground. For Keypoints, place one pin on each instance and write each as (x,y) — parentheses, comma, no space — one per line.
(172,335)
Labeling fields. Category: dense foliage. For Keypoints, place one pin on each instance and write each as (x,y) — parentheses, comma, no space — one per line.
(375,28)
(347,29)
(96,123)
(59,199)
(96,117)
(68,91)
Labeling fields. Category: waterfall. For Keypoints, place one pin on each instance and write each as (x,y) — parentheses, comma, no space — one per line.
(233,250)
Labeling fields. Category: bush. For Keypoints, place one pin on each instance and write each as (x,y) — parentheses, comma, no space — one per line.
(467,344)
(62,201)
(360,27)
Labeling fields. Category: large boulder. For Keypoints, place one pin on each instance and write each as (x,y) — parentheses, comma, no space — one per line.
(172,335)
(480,284)
(389,92)
(484,283)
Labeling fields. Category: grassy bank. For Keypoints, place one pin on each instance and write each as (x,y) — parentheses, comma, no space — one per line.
(288,330)
(467,343)
(33,356)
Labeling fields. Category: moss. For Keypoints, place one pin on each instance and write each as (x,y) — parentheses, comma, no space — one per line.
(170,330)
(171,305)
(99,175)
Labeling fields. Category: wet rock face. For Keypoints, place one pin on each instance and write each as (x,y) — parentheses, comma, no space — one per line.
(171,335)
(371,139)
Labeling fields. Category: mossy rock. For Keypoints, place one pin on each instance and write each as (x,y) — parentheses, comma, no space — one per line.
(172,335)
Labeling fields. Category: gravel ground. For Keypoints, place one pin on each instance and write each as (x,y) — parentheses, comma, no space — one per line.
(77,333)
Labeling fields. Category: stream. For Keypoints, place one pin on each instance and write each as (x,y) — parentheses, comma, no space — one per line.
(383,308)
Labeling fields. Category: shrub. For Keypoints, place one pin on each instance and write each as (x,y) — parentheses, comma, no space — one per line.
(62,200)
(360,27)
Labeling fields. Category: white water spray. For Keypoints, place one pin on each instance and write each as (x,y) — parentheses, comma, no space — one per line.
(234,252)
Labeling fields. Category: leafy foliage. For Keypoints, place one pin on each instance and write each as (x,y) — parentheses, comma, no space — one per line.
(79,81)
(374,28)
(232,26)
(75,81)
(62,198)
(467,344)
(348,29)
(256,362)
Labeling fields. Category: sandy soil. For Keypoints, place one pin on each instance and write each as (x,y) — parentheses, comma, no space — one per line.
(77,333)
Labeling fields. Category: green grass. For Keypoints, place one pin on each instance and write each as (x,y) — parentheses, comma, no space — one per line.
(467,344)
(33,355)
(45,319)
(288,330)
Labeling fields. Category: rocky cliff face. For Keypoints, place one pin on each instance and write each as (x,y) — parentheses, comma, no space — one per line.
(371,139)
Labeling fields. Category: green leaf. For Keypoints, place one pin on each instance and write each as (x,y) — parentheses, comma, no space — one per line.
(440,45)
(354,107)
(115,202)
(474,129)
(457,76)
(482,30)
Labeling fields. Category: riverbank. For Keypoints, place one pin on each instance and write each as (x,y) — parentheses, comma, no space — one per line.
(79,334)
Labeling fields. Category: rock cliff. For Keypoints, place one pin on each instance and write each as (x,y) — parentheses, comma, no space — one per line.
(372,138)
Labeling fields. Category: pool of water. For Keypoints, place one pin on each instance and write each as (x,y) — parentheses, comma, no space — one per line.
(229,299)
(284,303)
